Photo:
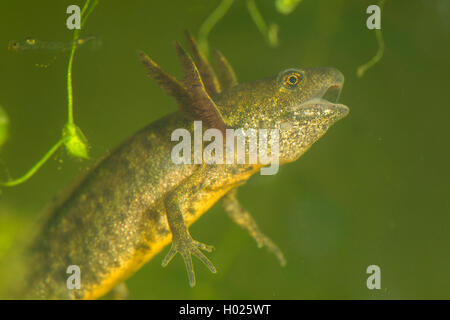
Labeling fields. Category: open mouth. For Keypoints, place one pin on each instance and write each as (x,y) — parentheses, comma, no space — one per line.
(325,106)
(332,93)
(329,100)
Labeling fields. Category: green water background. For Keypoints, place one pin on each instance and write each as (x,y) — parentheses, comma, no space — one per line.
(374,190)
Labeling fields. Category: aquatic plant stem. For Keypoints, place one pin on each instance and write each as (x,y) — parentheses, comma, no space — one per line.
(84,15)
(209,23)
(35,168)
(270,33)
(69,85)
(73,138)
(380,52)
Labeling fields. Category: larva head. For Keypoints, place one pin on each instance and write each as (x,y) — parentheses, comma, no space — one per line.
(300,103)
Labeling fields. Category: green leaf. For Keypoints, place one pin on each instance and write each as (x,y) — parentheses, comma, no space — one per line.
(286,6)
(75,141)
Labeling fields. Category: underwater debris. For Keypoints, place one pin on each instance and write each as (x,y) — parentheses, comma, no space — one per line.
(45,65)
(4,126)
(377,57)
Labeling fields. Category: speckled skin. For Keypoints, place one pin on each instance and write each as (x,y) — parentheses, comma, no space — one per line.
(122,213)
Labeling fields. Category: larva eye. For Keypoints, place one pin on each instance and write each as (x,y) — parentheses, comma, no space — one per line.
(292,79)
(30,41)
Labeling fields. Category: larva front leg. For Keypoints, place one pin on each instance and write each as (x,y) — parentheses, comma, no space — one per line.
(182,241)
